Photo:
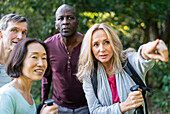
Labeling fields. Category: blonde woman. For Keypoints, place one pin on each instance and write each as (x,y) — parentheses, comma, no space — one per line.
(101,45)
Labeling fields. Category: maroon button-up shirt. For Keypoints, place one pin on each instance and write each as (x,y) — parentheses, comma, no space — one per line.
(67,89)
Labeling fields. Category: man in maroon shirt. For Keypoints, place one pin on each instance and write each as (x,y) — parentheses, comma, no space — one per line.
(64,50)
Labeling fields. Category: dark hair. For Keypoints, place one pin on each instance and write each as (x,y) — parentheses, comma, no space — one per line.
(10,18)
(18,54)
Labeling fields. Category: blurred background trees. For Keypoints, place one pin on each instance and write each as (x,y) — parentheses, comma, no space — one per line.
(135,21)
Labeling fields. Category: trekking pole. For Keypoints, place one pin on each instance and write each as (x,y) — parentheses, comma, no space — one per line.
(139,110)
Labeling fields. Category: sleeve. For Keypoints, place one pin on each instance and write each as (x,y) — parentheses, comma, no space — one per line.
(140,65)
(94,105)
(45,89)
(6,104)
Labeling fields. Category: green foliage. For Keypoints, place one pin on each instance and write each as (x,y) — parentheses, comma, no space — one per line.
(130,36)
(160,77)
(162,102)
(159,80)
(36,90)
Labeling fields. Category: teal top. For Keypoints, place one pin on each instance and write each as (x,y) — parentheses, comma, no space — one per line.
(4,78)
(12,102)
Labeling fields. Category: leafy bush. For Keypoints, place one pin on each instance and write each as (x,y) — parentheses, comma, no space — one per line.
(159,80)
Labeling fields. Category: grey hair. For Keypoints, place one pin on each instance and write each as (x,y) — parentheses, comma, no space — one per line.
(10,18)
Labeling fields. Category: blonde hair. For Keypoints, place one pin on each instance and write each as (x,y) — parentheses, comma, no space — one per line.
(87,59)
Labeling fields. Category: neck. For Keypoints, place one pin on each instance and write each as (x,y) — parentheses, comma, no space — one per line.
(22,84)
(72,41)
(109,70)
(4,52)
(69,40)
(107,66)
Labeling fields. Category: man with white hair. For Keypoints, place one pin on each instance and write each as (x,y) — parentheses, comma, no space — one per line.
(13,28)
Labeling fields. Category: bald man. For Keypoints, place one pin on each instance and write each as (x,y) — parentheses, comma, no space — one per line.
(64,50)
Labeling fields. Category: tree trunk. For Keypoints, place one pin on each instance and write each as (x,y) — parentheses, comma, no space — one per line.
(166,33)
(146,34)
(154,32)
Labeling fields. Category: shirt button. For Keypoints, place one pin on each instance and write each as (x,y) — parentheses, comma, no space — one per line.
(69,57)
(68,53)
